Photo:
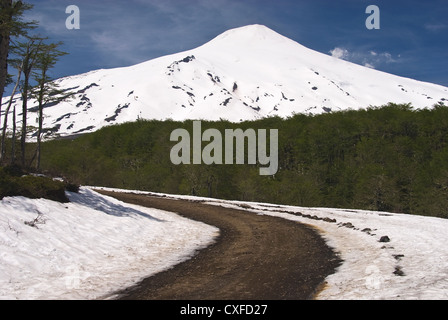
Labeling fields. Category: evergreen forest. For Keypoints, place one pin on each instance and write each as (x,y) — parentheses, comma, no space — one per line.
(389,158)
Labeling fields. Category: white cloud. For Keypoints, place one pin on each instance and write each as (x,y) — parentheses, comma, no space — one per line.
(435,27)
(340,53)
(370,59)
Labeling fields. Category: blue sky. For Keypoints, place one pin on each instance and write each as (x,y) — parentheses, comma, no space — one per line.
(412,40)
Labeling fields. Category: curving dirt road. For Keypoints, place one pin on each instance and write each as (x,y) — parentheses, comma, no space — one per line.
(255,257)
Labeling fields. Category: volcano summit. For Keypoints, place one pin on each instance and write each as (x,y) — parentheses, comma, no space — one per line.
(243,74)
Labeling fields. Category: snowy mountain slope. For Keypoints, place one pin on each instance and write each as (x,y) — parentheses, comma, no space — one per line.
(242,74)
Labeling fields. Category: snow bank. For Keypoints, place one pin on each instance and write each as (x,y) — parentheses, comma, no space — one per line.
(412,264)
(95,245)
(88,248)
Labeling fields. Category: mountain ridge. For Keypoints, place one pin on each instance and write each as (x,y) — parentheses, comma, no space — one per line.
(245,73)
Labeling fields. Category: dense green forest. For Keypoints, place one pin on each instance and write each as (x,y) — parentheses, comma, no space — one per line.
(389,158)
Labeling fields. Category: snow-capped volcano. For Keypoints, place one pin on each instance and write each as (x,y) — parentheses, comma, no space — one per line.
(245,73)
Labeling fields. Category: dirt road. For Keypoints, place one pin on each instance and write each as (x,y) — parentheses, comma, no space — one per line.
(255,257)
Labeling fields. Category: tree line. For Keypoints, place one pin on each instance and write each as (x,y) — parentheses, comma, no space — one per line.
(389,158)
(32,56)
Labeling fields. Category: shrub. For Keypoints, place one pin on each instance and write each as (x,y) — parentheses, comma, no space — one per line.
(13,183)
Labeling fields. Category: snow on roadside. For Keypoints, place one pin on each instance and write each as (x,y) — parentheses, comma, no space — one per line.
(90,247)
(95,244)
(412,264)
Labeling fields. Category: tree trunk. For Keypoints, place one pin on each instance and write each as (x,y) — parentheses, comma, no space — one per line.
(41,117)
(24,116)
(13,138)
(5,121)
(4,46)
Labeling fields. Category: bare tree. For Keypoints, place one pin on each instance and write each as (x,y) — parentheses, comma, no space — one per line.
(11,25)
(46,90)
(5,121)
(28,52)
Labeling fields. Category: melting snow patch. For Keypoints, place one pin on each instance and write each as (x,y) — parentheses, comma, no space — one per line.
(94,245)
(90,247)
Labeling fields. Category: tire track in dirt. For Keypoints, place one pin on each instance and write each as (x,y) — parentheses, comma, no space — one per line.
(254,257)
